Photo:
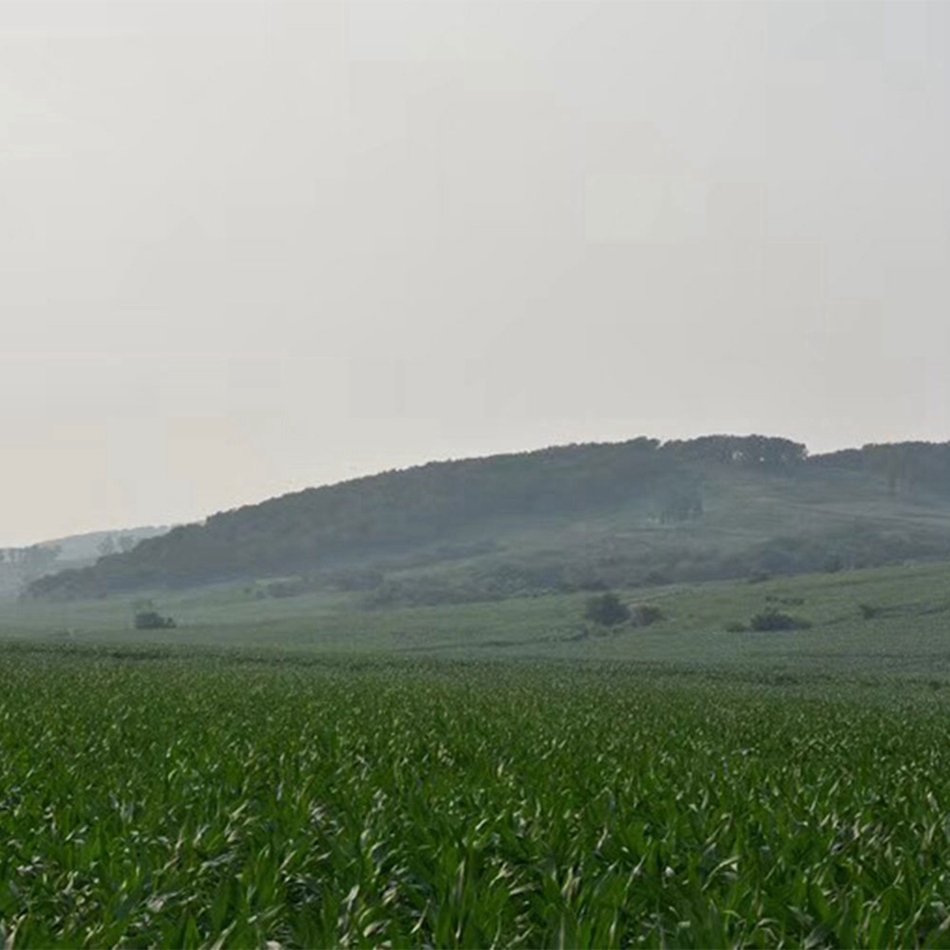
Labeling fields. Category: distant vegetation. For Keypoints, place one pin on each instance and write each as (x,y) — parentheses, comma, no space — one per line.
(607,609)
(34,559)
(148,618)
(774,619)
(20,566)
(574,518)
(152,620)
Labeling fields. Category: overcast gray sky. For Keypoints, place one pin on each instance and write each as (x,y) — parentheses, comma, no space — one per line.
(247,247)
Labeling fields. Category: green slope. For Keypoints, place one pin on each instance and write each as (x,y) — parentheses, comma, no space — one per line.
(562,519)
(877,623)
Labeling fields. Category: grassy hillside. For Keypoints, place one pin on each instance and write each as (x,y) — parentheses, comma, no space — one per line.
(873,623)
(565,519)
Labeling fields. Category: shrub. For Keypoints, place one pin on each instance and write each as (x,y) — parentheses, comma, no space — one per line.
(153,620)
(607,609)
(772,619)
(867,611)
(734,626)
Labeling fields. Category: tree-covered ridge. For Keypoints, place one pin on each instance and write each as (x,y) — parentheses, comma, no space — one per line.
(907,467)
(458,509)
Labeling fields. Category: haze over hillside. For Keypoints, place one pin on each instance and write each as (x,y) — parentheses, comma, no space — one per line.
(19,566)
(565,518)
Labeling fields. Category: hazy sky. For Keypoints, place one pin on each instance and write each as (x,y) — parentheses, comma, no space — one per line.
(247,247)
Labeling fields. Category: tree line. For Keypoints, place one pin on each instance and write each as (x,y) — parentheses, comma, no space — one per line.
(395,512)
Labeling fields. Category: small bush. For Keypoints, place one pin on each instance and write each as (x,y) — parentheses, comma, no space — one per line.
(867,611)
(607,609)
(772,619)
(153,620)
(735,626)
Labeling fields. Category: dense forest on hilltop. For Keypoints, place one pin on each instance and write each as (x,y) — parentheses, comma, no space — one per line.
(577,516)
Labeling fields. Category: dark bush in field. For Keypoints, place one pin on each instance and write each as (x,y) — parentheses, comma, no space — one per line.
(772,619)
(607,609)
(153,620)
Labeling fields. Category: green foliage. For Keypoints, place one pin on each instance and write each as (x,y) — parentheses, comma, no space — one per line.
(162,802)
(579,517)
(682,503)
(773,619)
(153,620)
(607,609)
(914,470)
(907,636)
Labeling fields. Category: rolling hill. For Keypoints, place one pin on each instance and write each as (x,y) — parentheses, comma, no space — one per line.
(567,518)
(19,566)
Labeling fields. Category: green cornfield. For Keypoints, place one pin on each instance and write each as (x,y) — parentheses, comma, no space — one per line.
(234,802)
